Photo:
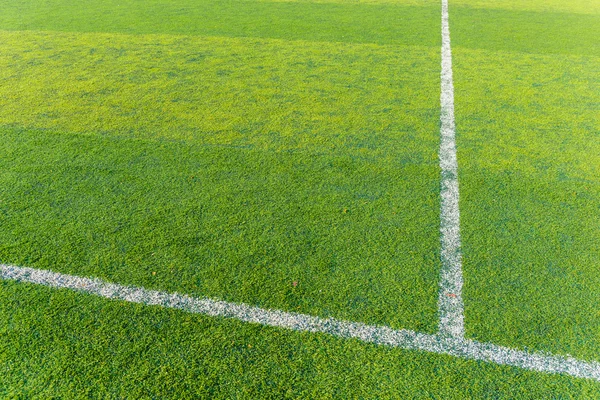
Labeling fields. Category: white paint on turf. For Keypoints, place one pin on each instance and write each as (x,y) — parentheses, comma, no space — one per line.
(450,304)
(450,339)
(381,335)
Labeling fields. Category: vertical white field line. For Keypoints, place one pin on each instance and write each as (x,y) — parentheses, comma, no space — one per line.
(451,317)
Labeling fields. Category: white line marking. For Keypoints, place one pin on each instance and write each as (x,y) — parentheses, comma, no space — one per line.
(450,304)
(381,335)
(450,339)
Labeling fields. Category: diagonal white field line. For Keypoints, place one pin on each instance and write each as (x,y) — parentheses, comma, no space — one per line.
(381,335)
(450,304)
(450,339)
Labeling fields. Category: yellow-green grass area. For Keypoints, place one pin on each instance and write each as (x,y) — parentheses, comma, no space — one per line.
(285,174)
(268,94)
(528,124)
(72,346)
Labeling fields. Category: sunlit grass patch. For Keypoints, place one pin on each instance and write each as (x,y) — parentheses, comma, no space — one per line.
(266,93)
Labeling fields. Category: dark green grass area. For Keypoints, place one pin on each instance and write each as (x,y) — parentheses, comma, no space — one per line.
(71,345)
(336,22)
(572,6)
(357,233)
(381,23)
(529,135)
(525,31)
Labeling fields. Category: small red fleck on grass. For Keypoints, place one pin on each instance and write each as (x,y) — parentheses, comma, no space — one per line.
(295,283)
(451,295)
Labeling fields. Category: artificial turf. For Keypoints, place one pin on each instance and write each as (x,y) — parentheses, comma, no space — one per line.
(78,346)
(528,127)
(269,94)
(284,154)
(413,23)
(275,229)
(228,167)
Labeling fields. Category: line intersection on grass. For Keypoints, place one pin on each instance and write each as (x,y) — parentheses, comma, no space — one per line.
(381,335)
(450,339)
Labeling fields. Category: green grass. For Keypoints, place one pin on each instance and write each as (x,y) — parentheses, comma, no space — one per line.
(529,150)
(284,154)
(385,23)
(230,167)
(73,345)
(271,94)
(570,7)
(525,31)
(238,224)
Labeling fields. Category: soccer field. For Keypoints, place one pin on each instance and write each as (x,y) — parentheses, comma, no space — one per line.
(260,199)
